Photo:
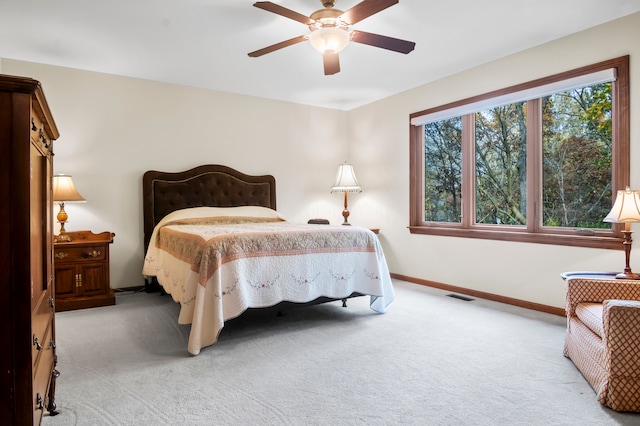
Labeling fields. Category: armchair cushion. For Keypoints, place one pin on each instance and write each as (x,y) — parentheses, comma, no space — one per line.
(591,315)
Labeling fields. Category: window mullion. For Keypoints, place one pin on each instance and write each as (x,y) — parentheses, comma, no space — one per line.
(468,170)
(534,165)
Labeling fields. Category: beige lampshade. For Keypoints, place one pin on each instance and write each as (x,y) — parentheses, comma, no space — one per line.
(346,180)
(64,190)
(626,208)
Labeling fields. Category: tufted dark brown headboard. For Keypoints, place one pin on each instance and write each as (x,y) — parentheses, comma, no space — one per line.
(209,185)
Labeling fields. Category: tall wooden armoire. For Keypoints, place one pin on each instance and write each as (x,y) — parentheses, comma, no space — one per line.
(27,296)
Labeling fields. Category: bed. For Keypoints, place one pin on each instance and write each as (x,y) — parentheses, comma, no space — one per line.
(215,242)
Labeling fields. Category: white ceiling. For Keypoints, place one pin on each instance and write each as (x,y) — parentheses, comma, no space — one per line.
(204,43)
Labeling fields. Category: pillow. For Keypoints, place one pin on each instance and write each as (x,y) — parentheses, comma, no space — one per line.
(202,212)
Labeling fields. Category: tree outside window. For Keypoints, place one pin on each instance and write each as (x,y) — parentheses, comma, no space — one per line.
(577,145)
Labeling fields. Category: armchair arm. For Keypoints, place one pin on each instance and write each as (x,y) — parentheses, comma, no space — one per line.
(598,290)
(621,321)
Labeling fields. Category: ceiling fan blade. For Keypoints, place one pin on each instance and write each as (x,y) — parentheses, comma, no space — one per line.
(278,46)
(364,9)
(389,43)
(331,63)
(283,11)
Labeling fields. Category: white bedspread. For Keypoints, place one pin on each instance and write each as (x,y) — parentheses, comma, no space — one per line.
(218,262)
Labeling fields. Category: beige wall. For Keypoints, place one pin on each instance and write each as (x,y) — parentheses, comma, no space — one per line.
(115,128)
(518,270)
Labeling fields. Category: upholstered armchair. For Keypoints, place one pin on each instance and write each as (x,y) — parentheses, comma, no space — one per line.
(603,338)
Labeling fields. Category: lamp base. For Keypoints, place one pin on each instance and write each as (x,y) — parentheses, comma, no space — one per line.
(345,212)
(62,219)
(628,276)
(62,238)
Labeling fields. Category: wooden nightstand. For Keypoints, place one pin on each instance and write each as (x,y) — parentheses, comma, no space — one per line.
(82,271)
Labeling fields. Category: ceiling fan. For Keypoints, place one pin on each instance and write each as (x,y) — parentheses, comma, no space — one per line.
(330,30)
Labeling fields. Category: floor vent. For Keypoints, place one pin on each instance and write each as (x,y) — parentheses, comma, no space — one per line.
(457,296)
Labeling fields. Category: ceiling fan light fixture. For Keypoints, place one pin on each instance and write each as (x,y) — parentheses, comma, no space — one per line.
(329,39)
(330,30)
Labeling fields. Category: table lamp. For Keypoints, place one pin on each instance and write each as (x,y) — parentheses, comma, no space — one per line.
(346,182)
(64,191)
(626,209)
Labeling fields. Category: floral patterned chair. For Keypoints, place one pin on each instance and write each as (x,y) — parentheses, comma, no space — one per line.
(603,337)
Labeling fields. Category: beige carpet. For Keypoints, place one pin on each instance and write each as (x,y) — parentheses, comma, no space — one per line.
(431,360)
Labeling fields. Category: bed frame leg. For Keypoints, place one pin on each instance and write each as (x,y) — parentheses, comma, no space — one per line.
(344,303)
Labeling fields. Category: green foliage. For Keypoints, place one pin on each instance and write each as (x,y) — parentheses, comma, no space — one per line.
(597,110)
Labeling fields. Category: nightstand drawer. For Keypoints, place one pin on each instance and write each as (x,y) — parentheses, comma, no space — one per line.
(81,268)
(75,254)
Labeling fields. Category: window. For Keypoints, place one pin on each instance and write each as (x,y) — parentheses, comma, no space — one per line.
(537,162)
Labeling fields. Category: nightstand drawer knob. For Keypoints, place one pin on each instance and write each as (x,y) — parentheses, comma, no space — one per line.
(93,253)
(61,255)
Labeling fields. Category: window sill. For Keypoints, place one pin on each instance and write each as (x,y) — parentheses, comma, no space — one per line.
(601,242)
